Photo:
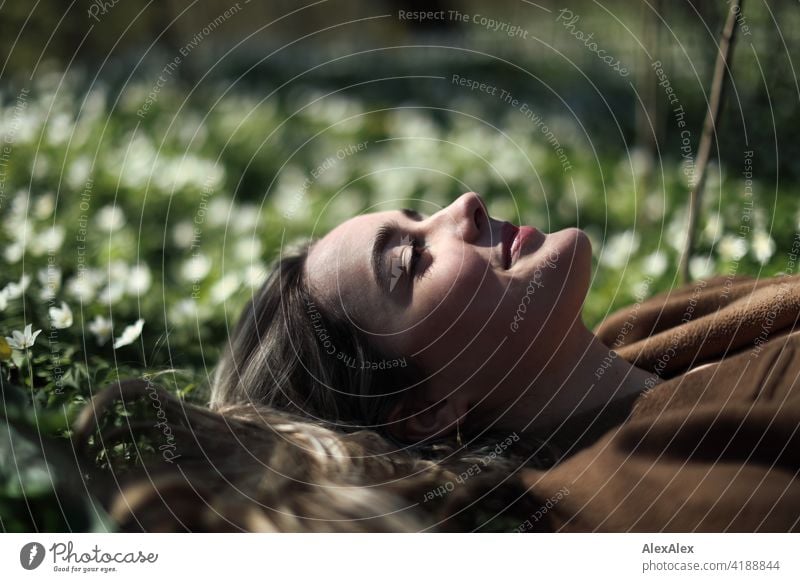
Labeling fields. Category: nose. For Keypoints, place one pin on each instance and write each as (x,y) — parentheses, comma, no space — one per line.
(467,214)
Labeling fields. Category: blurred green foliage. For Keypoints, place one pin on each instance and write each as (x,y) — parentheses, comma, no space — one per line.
(125,200)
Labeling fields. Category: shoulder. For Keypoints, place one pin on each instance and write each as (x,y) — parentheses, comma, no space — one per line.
(766,374)
(695,452)
(672,333)
(668,308)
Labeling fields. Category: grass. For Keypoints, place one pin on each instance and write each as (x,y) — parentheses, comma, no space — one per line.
(112,214)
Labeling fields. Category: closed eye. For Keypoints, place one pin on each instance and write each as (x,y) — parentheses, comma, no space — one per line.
(416,254)
(380,266)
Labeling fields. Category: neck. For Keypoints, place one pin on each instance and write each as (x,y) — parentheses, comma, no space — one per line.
(583,375)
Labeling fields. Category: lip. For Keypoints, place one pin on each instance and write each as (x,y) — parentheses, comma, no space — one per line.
(507,235)
(524,234)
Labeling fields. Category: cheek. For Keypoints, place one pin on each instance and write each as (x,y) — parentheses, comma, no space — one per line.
(458,287)
(464,300)
(449,296)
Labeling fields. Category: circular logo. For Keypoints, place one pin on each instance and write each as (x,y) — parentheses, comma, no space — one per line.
(31,555)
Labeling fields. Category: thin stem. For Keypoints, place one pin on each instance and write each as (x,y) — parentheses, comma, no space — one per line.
(721,69)
(30,366)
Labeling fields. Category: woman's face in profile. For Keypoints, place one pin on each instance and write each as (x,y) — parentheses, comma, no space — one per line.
(452,291)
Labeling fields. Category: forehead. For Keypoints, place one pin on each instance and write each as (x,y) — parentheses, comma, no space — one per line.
(338,265)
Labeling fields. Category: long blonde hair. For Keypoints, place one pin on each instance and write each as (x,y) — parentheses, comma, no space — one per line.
(248,467)
(293,439)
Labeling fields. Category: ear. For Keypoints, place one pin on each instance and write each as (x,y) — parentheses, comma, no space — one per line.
(417,421)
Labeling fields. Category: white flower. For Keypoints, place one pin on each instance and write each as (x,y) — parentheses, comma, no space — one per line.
(111,293)
(83,287)
(14,252)
(219,211)
(44,206)
(48,241)
(289,196)
(174,174)
(119,277)
(101,328)
(655,264)
(392,184)
(79,172)
(407,122)
(676,230)
(22,340)
(641,161)
(713,229)
(328,110)
(224,288)
(247,250)
(15,290)
(196,268)
(254,275)
(183,234)
(19,227)
(763,246)
(3,299)
(59,127)
(50,280)
(185,311)
(731,247)
(701,267)
(139,279)
(19,206)
(131,333)
(49,275)
(654,205)
(47,293)
(110,218)
(619,249)
(61,318)
(135,161)
(245,218)
(118,272)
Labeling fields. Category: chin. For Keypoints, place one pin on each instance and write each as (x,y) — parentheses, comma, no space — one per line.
(575,254)
(582,269)
(572,243)
(583,246)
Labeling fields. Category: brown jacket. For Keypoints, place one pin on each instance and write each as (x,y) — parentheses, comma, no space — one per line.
(714,448)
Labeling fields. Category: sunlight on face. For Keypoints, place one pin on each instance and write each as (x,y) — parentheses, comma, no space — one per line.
(440,289)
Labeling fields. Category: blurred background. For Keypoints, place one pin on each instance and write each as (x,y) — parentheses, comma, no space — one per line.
(156,156)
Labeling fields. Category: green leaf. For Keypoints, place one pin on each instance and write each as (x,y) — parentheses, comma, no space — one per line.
(18,358)
(22,470)
(43,493)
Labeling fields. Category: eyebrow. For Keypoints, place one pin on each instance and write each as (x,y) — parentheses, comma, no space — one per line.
(383,235)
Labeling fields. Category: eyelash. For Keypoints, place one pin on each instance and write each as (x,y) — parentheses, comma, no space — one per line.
(416,255)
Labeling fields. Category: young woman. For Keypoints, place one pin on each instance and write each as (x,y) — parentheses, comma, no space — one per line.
(411,371)
(421,326)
